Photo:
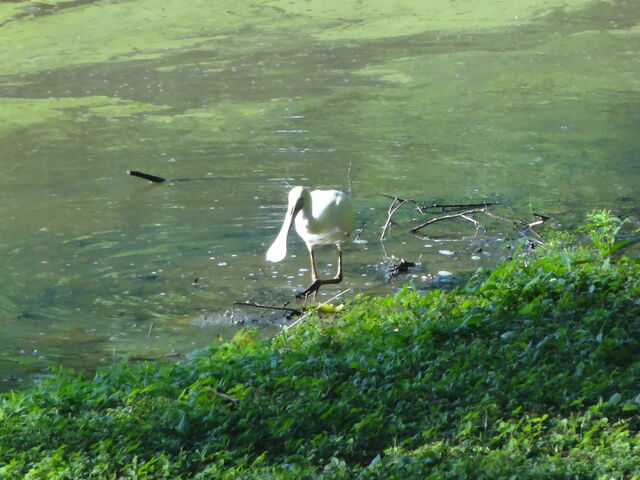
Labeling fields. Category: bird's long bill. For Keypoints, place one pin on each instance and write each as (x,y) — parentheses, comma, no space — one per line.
(278,249)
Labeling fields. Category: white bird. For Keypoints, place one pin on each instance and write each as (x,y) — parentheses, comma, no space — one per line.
(322,217)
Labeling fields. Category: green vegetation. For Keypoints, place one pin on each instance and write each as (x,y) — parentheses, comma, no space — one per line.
(530,371)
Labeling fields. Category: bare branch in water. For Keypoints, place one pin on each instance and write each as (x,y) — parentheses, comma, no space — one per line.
(464,211)
(393,208)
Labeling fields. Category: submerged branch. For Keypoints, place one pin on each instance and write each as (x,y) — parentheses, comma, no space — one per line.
(465,211)
(441,206)
(463,215)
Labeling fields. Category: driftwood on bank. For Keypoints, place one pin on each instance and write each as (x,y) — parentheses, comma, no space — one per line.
(299,314)
(289,312)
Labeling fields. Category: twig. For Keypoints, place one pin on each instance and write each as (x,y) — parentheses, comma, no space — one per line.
(393,208)
(396,198)
(153,358)
(447,217)
(150,330)
(508,220)
(294,311)
(540,219)
(350,176)
(471,219)
(225,396)
(454,206)
(303,317)
(467,214)
(443,207)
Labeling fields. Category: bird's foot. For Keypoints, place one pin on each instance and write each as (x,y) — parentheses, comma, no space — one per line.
(315,286)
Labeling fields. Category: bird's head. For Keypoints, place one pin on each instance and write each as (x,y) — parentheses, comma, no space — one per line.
(296,200)
(278,249)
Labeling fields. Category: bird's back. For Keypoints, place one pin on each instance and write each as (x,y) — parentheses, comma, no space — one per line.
(330,221)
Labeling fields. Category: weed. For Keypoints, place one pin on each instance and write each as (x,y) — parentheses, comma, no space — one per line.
(530,371)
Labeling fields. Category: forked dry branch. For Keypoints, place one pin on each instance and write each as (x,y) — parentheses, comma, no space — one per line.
(465,212)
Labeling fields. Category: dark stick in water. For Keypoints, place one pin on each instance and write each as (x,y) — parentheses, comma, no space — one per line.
(146,176)
(157,179)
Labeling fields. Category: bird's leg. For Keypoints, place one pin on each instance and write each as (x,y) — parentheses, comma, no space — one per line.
(316,282)
(339,274)
(314,272)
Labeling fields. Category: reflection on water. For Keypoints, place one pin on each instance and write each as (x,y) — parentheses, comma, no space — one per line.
(538,112)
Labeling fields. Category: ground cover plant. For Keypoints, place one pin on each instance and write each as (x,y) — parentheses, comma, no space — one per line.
(529,371)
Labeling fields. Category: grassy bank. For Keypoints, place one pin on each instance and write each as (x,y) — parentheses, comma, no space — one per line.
(529,371)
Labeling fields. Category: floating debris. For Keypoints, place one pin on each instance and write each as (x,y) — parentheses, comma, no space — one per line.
(394,266)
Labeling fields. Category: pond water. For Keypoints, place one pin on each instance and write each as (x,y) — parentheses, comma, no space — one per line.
(534,105)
